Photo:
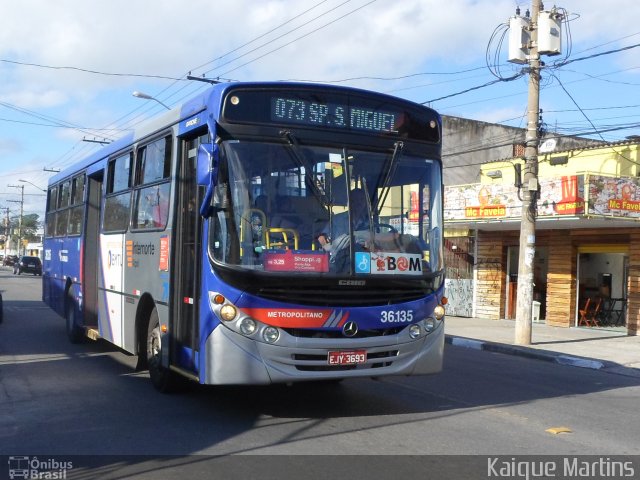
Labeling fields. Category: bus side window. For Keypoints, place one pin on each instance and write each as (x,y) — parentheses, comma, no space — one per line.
(50,230)
(118,200)
(76,213)
(152,206)
(152,186)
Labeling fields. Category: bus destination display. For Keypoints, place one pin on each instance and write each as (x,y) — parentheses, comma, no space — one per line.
(334,115)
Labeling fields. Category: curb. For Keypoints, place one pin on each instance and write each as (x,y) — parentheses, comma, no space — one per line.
(532,353)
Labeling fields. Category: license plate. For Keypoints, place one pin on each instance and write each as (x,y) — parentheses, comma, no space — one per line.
(351,357)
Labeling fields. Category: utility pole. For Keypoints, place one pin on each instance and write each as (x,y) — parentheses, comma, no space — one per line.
(529,192)
(21,202)
(6,231)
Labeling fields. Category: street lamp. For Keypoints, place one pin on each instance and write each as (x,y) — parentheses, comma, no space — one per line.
(31,183)
(145,96)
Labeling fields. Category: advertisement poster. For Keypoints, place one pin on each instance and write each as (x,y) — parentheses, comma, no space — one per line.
(558,197)
(614,197)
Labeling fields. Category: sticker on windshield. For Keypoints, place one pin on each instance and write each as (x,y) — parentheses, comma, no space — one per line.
(296,261)
(396,263)
(363,262)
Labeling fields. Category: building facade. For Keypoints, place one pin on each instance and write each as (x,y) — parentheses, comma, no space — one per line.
(587,262)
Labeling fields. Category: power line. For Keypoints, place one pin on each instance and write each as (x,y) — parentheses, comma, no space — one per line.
(387,79)
(300,37)
(51,125)
(477,87)
(518,75)
(133,121)
(595,55)
(255,39)
(53,121)
(85,70)
(610,42)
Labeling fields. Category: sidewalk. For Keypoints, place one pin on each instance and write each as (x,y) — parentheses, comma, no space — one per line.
(608,350)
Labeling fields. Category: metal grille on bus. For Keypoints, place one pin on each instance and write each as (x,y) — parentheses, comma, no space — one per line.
(311,333)
(318,363)
(341,297)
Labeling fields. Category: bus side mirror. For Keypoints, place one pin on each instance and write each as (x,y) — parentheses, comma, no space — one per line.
(207,173)
(207,164)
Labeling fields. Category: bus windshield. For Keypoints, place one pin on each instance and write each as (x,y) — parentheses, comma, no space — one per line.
(311,210)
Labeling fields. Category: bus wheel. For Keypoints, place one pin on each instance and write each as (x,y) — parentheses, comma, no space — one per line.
(163,379)
(74,332)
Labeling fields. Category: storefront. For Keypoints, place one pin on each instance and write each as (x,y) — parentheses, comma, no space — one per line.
(587,261)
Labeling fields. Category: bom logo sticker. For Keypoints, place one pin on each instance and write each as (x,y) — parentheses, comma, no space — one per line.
(396,263)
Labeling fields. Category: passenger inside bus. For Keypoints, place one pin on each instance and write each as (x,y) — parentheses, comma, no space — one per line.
(339,225)
(257,231)
(335,237)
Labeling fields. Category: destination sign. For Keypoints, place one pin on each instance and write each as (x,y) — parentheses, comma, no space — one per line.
(330,108)
(296,110)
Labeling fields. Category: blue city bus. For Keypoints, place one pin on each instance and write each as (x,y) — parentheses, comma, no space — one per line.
(258,233)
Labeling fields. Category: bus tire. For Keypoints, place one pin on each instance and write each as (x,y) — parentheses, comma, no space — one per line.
(74,332)
(163,379)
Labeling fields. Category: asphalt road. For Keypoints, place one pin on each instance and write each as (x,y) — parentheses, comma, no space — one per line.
(61,399)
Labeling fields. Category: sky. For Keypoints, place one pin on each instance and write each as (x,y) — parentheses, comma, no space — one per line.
(68,68)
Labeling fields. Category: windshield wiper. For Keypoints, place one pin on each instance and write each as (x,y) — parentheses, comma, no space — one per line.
(300,160)
(389,168)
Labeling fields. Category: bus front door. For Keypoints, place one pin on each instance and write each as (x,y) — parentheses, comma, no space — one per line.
(187,258)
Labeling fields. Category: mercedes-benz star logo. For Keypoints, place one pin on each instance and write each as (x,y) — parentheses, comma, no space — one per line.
(350,329)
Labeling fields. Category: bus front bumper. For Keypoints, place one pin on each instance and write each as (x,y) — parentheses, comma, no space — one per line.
(231,358)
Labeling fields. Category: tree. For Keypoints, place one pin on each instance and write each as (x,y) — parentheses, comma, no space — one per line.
(30,227)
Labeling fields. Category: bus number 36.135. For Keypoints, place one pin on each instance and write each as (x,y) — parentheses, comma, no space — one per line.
(396,316)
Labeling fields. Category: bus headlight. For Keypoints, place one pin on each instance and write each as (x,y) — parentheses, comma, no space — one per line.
(415,331)
(429,324)
(240,322)
(439,312)
(248,326)
(270,334)
(228,312)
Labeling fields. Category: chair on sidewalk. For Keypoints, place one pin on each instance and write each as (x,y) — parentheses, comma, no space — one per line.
(589,314)
(584,311)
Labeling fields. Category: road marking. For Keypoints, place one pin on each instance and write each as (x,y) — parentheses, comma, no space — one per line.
(557,430)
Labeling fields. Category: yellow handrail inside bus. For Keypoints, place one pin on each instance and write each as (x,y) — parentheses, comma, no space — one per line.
(285,239)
